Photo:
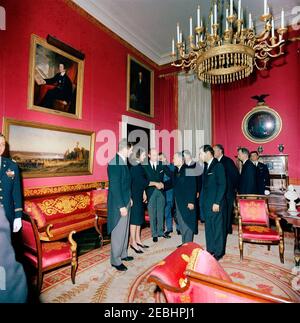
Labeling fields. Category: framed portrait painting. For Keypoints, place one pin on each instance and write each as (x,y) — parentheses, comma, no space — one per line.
(42,150)
(140,87)
(262,124)
(55,80)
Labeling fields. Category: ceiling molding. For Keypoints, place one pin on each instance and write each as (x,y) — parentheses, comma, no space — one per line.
(147,48)
(111,22)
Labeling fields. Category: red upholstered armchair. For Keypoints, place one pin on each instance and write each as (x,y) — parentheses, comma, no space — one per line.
(45,255)
(191,275)
(254,226)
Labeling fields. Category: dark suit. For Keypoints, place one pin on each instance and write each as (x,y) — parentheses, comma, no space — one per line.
(213,192)
(247,181)
(62,91)
(119,195)
(139,184)
(156,199)
(185,190)
(232,180)
(263,178)
(10,190)
(13,285)
(196,170)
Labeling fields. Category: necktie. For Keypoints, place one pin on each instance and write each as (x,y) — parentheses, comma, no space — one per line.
(153,166)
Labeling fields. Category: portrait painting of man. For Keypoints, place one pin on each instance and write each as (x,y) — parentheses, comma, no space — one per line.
(55,80)
(140,88)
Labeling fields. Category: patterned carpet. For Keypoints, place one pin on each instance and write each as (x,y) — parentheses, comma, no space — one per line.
(97,281)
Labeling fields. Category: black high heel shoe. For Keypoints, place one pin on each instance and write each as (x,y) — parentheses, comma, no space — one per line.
(136,250)
(142,245)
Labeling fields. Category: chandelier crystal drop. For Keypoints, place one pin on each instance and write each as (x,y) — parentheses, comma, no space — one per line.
(226,57)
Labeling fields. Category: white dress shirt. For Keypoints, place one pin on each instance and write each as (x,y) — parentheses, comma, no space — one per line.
(153,164)
(209,162)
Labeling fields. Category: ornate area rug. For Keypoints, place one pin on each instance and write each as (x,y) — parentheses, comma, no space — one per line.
(97,281)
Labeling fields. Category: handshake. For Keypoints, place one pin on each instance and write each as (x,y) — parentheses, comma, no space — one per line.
(159,186)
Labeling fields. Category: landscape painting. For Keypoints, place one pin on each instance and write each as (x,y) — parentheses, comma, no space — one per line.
(48,151)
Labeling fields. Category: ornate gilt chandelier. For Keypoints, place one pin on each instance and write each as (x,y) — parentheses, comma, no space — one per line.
(226,57)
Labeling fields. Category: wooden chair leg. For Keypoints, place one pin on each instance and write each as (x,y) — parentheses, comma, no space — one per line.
(269,247)
(74,263)
(241,245)
(281,251)
(40,277)
(99,229)
(73,271)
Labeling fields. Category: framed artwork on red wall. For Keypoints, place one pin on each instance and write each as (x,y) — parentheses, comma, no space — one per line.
(43,150)
(140,88)
(55,80)
(262,124)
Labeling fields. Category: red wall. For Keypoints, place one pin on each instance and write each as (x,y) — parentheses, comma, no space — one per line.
(104,93)
(232,102)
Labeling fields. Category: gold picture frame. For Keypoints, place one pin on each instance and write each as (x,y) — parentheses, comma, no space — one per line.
(262,124)
(43,150)
(46,91)
(140,88)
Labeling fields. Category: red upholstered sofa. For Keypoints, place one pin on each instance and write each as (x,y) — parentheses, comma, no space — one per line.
(191,275)
(50,221)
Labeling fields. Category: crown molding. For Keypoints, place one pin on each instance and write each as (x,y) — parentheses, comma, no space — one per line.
(112,23)
(147,49)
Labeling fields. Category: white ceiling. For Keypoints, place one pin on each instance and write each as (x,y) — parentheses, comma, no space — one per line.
(150,25)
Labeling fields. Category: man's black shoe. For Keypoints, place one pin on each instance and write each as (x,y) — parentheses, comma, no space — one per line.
(178,232)
(129,258)
(120,267)
(166,236)
(155,239)
(168,232)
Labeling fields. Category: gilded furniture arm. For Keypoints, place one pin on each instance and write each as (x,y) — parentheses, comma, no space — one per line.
(277,219)
(233,288)
(162,285)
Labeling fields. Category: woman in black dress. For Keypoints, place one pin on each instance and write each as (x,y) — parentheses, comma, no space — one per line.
(137,214)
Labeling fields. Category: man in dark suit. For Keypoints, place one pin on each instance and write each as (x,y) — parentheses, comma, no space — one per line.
(263,175)
(155,172)
(140,92)
(247,181)
(10,189)
(196,170)
(13,284)
(212,202)
(169,195)
(62,91)
(185,191)
(232,179)
(118,205)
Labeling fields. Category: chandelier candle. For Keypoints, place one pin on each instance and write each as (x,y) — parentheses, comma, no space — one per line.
(215,13)
(239,10)
(273,29)
(198,17)
(265,7)
(282,19)
(227,27)
(250,21)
